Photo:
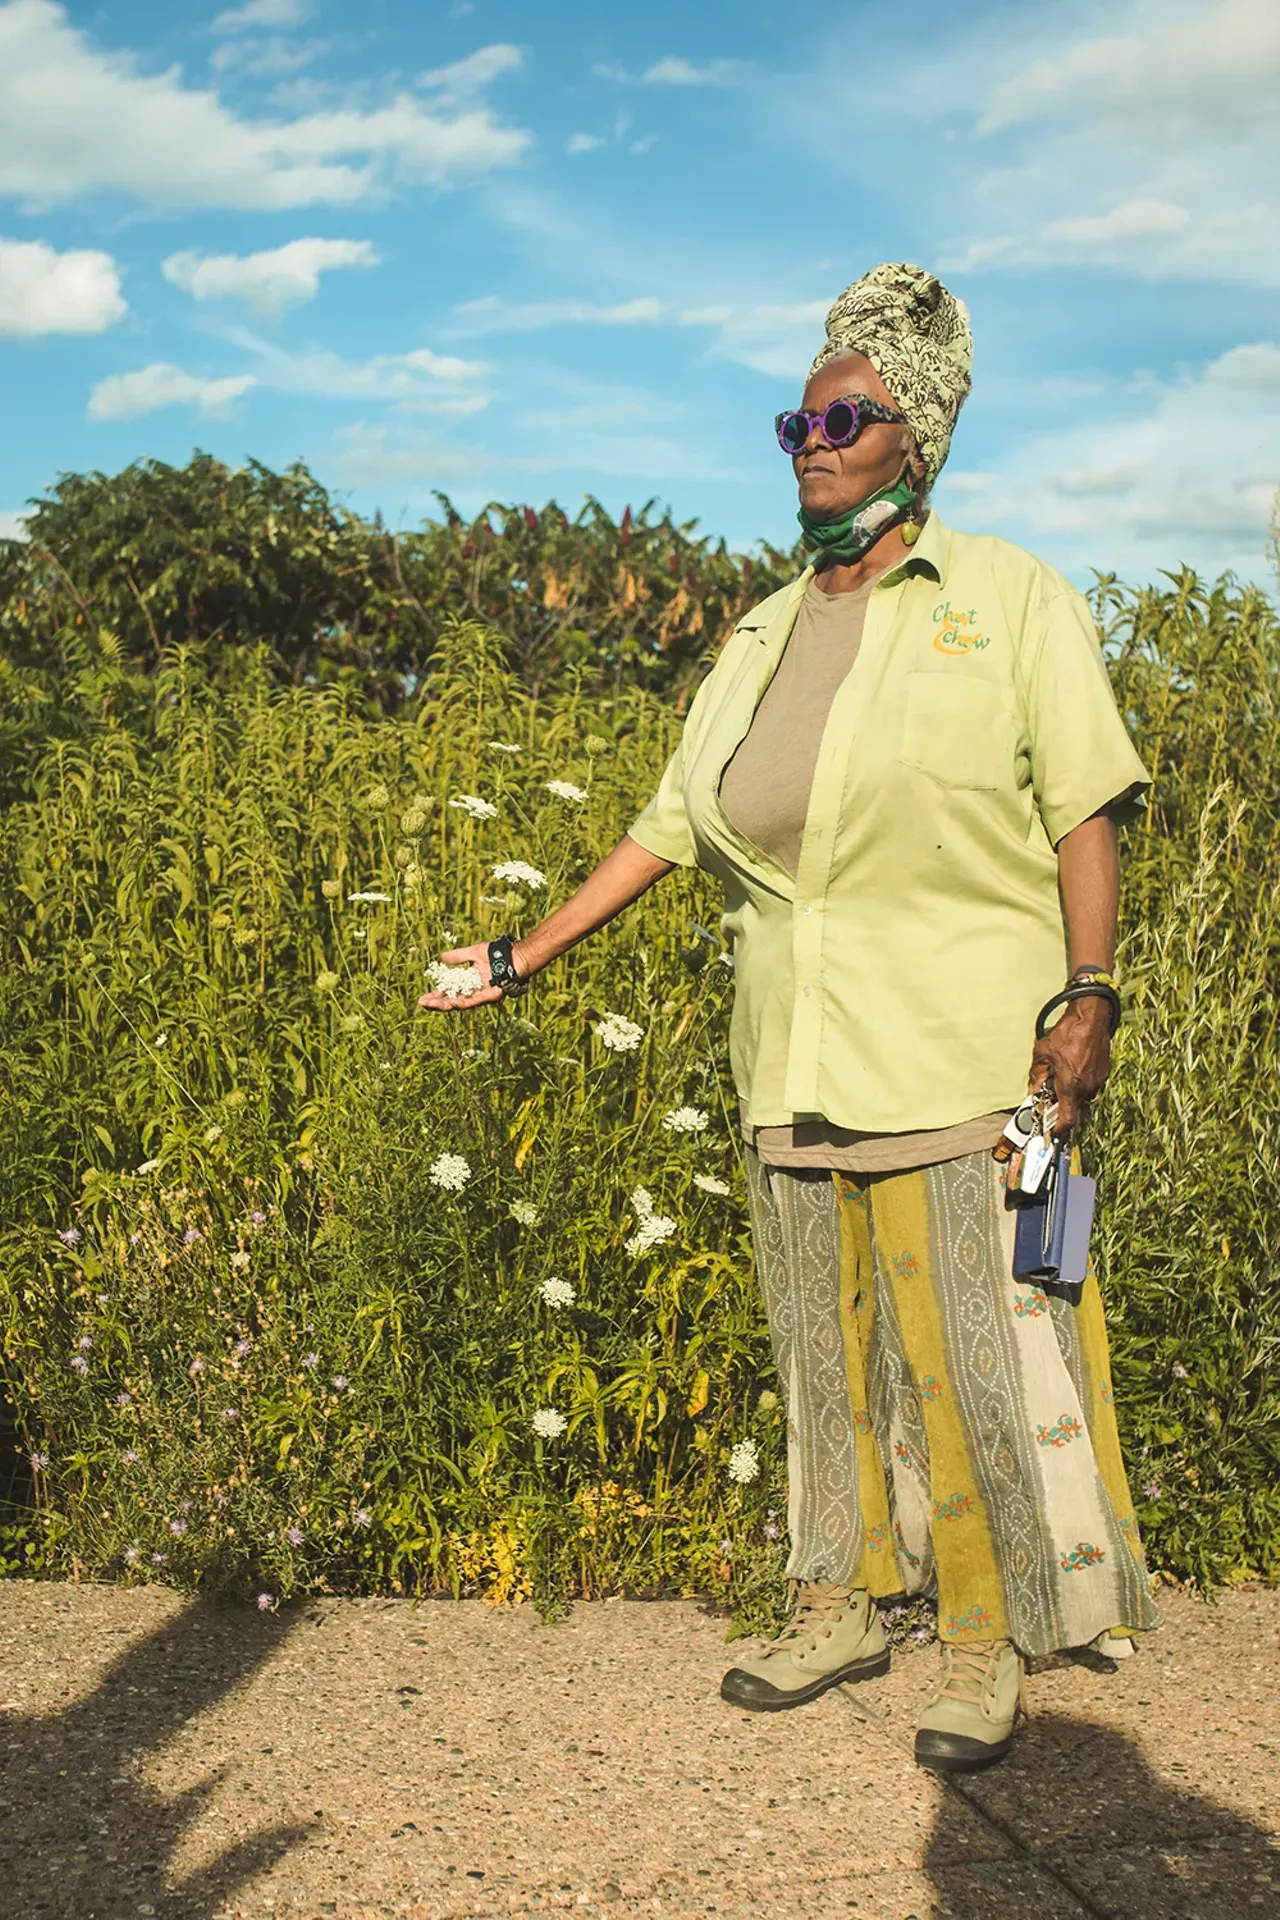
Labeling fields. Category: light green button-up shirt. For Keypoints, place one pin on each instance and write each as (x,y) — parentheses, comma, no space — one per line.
(893,984)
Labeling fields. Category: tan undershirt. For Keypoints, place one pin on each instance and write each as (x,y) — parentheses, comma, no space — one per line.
(765,793)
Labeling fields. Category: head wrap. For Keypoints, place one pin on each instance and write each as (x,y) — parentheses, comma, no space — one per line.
(916,336)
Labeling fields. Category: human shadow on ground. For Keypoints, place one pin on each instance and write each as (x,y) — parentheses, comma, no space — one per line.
(82,1837)
(1094,1832)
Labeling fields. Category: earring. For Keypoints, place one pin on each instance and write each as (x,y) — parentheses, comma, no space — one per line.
(910,531)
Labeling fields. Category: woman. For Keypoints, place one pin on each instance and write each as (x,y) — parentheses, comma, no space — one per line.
(906,768)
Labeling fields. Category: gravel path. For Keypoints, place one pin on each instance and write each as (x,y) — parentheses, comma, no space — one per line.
(453,1762)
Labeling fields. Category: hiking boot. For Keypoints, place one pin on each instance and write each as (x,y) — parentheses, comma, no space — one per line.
(834,1635)
(970,1720)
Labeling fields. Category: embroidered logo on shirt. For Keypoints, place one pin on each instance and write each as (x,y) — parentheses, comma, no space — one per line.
(958,631)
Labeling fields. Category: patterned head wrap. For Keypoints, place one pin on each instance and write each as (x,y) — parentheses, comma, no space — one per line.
(916,336)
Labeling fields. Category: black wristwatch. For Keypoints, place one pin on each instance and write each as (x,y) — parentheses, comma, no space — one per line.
(502,968)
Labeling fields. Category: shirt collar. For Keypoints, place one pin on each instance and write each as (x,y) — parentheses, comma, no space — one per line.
(928,556)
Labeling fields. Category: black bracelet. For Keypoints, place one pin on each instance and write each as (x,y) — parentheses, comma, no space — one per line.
(502,968)
(1085,990)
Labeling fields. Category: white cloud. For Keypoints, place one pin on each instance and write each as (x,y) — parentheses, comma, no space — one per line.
(283,277)
(492,315)
(776,340)
(262,13)
(1184,471)
(420,381)
(1075,238)
(13,526)
(1214,73)
(583,142)
(479,70)
(75,120)
(124,396)
(46,292)
(267,57)
(675,71)
(1134,220)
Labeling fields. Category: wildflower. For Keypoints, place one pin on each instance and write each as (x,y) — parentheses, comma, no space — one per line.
(185,1506)
(149,1166)
(709,1183)
(472,805)
(558,1293)
(494,899)
(414,820)
(265,1602)
(726,1546)
(132,1555)
(340,1382)
(212,1135)
(69,1236)
(240,1261)
(685,1120)
(565,790)
(352,1022)
(1178,1371)
(503,746)
(474,1053)
(1153,1490)
(159,1559)
(744,1462)
(102,1298)
(161,1040)
(331,889)
(771,1529)
(652,1230)
(124,1399)
(258,1217)
(620,1035)
(524,1213)
(519,873)
(768,1401)
(362,1517)
(326,981)
(79,1364)
(377,797)
(642,1200)
(39,1460)
(85,1342)
(294,1535)
(191,1235)
(177,1528)
(920,1635)
(129,1457)
(228,1416)
(369,899)
(450,1171)
(311,1360)
(549,1423)
(455,981)
(241,1349)
(196,1368)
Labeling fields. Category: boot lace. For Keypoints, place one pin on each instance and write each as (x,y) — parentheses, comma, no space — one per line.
(819,1604)
(968,1671)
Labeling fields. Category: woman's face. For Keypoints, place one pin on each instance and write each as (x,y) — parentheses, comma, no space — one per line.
(834,479)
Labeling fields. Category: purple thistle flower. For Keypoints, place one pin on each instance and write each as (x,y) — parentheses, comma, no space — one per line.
(159,1559)
(85,1342)
(124,1399)
(191,1235)
(185,1506)
(1178,1371)
(228,1416)
(196,1367)
(340,1381)
(258,1218)
(294,1535)
(79,1364)
(1153,1490)
(102,1298)
(129,1457)
(177,1528)
(771,1530)
(70,1236)
(265,1602)
(39,1460)
(362,1517)
(241,1349)
(132,1555)
(311,1359)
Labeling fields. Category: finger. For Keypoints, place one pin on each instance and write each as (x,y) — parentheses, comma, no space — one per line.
(460,955)
(1038,1076)
(1068,1114)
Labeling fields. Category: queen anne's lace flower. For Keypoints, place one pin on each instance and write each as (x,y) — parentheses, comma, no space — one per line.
(503,746)
(565,790)
(455,981)
(620,1035)
(558,1293)
(685,1120)
(369,899)
(519,873)
(149,1166)
(474,806)
(450,1171)
(524,1213)
(744,1462)
(709,1183)
(325,983)
(549,1423)
(651,1229)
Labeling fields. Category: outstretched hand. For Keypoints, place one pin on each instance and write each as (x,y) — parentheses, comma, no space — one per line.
(1077,1054)
(477,957)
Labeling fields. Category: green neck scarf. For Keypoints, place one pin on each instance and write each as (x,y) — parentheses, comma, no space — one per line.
(849,537)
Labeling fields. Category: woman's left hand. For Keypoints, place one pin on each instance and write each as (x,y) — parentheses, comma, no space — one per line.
(1077,1052)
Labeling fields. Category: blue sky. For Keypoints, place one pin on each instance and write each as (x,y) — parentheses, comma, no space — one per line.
(519,253)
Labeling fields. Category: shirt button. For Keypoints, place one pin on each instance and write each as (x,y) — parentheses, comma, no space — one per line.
(807,992)
(808,910)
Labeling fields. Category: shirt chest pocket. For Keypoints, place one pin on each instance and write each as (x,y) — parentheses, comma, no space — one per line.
(958,730)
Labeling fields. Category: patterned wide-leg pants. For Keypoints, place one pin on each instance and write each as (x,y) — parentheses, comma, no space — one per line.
(950,1430)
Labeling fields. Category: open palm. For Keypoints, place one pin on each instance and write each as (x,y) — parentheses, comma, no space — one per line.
(476,956)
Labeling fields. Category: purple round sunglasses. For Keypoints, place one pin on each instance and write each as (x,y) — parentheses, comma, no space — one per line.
(841,422)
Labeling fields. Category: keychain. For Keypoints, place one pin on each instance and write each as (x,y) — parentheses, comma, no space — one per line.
(1027,1143)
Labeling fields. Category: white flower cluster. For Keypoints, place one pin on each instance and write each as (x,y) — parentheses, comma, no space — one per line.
(548,1423)
(651,1229)
(450,1171)
(455,981)
(685,1120)
(744,1462)
(709,1183)
(368,899)
(519,872)
(565,790)
(617,1033)
(503,746)
(473,805)
(524,1213)
(558,1293)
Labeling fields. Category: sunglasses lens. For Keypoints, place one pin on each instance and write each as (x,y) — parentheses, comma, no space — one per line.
(793,431)
(841,423)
